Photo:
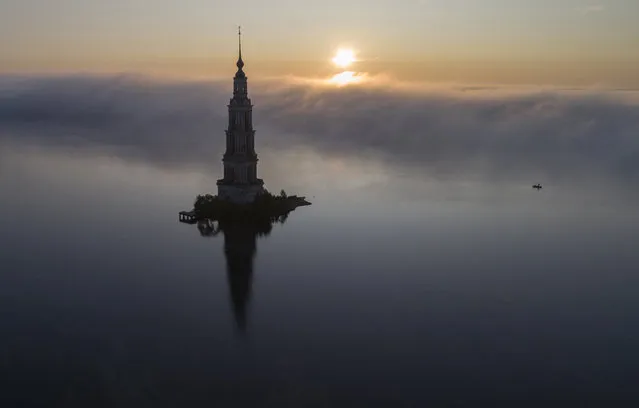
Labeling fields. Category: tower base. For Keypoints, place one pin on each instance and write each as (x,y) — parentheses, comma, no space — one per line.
(239,193)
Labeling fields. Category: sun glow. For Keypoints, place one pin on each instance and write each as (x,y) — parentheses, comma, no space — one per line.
(346,78)
(344,58)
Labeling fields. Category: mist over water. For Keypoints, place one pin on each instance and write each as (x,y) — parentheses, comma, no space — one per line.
(455,130)
(427,269)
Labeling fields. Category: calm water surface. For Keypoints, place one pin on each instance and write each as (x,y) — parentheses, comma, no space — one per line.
(387,291)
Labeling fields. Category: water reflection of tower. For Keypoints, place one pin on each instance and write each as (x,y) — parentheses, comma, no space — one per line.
(240,247)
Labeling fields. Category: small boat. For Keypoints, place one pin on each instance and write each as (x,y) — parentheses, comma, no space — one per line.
(537,186)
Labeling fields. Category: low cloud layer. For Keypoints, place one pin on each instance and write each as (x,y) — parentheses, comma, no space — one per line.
(448,131)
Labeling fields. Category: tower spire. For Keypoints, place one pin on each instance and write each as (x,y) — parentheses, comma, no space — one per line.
(240,63)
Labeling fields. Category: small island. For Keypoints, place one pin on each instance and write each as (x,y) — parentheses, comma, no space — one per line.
(266,206)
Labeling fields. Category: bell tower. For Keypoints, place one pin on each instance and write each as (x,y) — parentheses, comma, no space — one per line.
(240,183)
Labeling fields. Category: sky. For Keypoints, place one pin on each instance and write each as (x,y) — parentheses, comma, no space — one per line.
(502,90)
(565,42)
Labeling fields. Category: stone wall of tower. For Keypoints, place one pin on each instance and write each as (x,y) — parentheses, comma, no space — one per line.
(240,159)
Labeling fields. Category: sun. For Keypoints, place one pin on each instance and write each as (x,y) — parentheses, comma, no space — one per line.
(344,58)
